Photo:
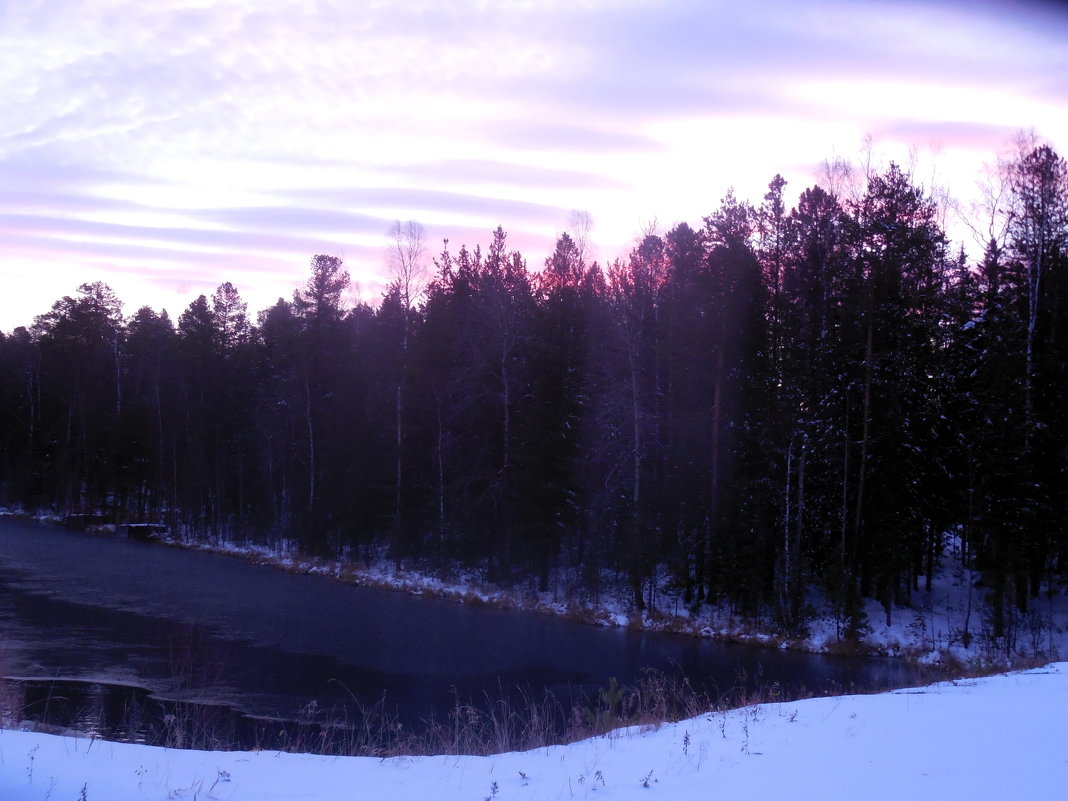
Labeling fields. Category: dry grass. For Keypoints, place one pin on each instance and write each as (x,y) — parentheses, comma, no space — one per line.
(514,721)
(11,701)
(523,721)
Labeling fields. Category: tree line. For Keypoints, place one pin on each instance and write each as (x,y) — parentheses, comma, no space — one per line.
(775,406)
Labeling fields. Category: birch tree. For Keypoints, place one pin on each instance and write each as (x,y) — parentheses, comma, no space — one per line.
(407,268)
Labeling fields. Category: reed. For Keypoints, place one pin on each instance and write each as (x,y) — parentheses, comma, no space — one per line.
(514,720)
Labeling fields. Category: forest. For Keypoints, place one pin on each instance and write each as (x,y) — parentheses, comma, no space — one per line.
(776,405)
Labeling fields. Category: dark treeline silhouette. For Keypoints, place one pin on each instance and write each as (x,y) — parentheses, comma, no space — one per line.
(774,407)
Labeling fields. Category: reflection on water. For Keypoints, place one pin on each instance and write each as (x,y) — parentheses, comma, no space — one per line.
(192,627)
(131,714)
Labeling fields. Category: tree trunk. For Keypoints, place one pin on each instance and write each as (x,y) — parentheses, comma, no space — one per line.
(865,431)
(441,467)
(311,447)
(786,526)
(637,555)
(713,505)
(399,478)
(800,526)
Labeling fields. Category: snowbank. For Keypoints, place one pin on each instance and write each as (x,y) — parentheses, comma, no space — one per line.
(992,738)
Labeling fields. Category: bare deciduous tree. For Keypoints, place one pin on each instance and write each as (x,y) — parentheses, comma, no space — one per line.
(579,227)
(406,257)
(407,263)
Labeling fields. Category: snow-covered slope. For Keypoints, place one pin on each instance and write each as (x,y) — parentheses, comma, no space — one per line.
(992,738)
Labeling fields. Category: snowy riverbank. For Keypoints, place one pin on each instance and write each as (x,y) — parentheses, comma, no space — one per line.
(945,626)
(991,738)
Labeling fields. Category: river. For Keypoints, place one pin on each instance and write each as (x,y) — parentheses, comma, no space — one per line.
(100,612)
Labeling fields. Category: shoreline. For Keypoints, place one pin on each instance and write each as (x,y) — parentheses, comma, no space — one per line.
(929,633)
(716,623)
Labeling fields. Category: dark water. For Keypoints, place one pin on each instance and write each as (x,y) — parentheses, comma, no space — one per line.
(84,615)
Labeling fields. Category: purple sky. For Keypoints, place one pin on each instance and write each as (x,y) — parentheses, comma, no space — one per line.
(166,147)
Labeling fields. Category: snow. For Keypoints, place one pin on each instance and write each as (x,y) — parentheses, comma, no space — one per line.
(991,738)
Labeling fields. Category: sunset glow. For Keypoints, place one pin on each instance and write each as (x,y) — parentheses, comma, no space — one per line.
(166,148)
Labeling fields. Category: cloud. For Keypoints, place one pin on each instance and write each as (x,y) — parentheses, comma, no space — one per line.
(527,135)
(92,239)
(412,202)
(31,174)
(704,59)
(293,218)
(514,174)
(60,202)
(939,134)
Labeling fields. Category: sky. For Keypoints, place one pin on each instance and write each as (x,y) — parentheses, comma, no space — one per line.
(167,147)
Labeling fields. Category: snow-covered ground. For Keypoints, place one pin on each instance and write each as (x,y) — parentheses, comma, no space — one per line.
(992,738)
